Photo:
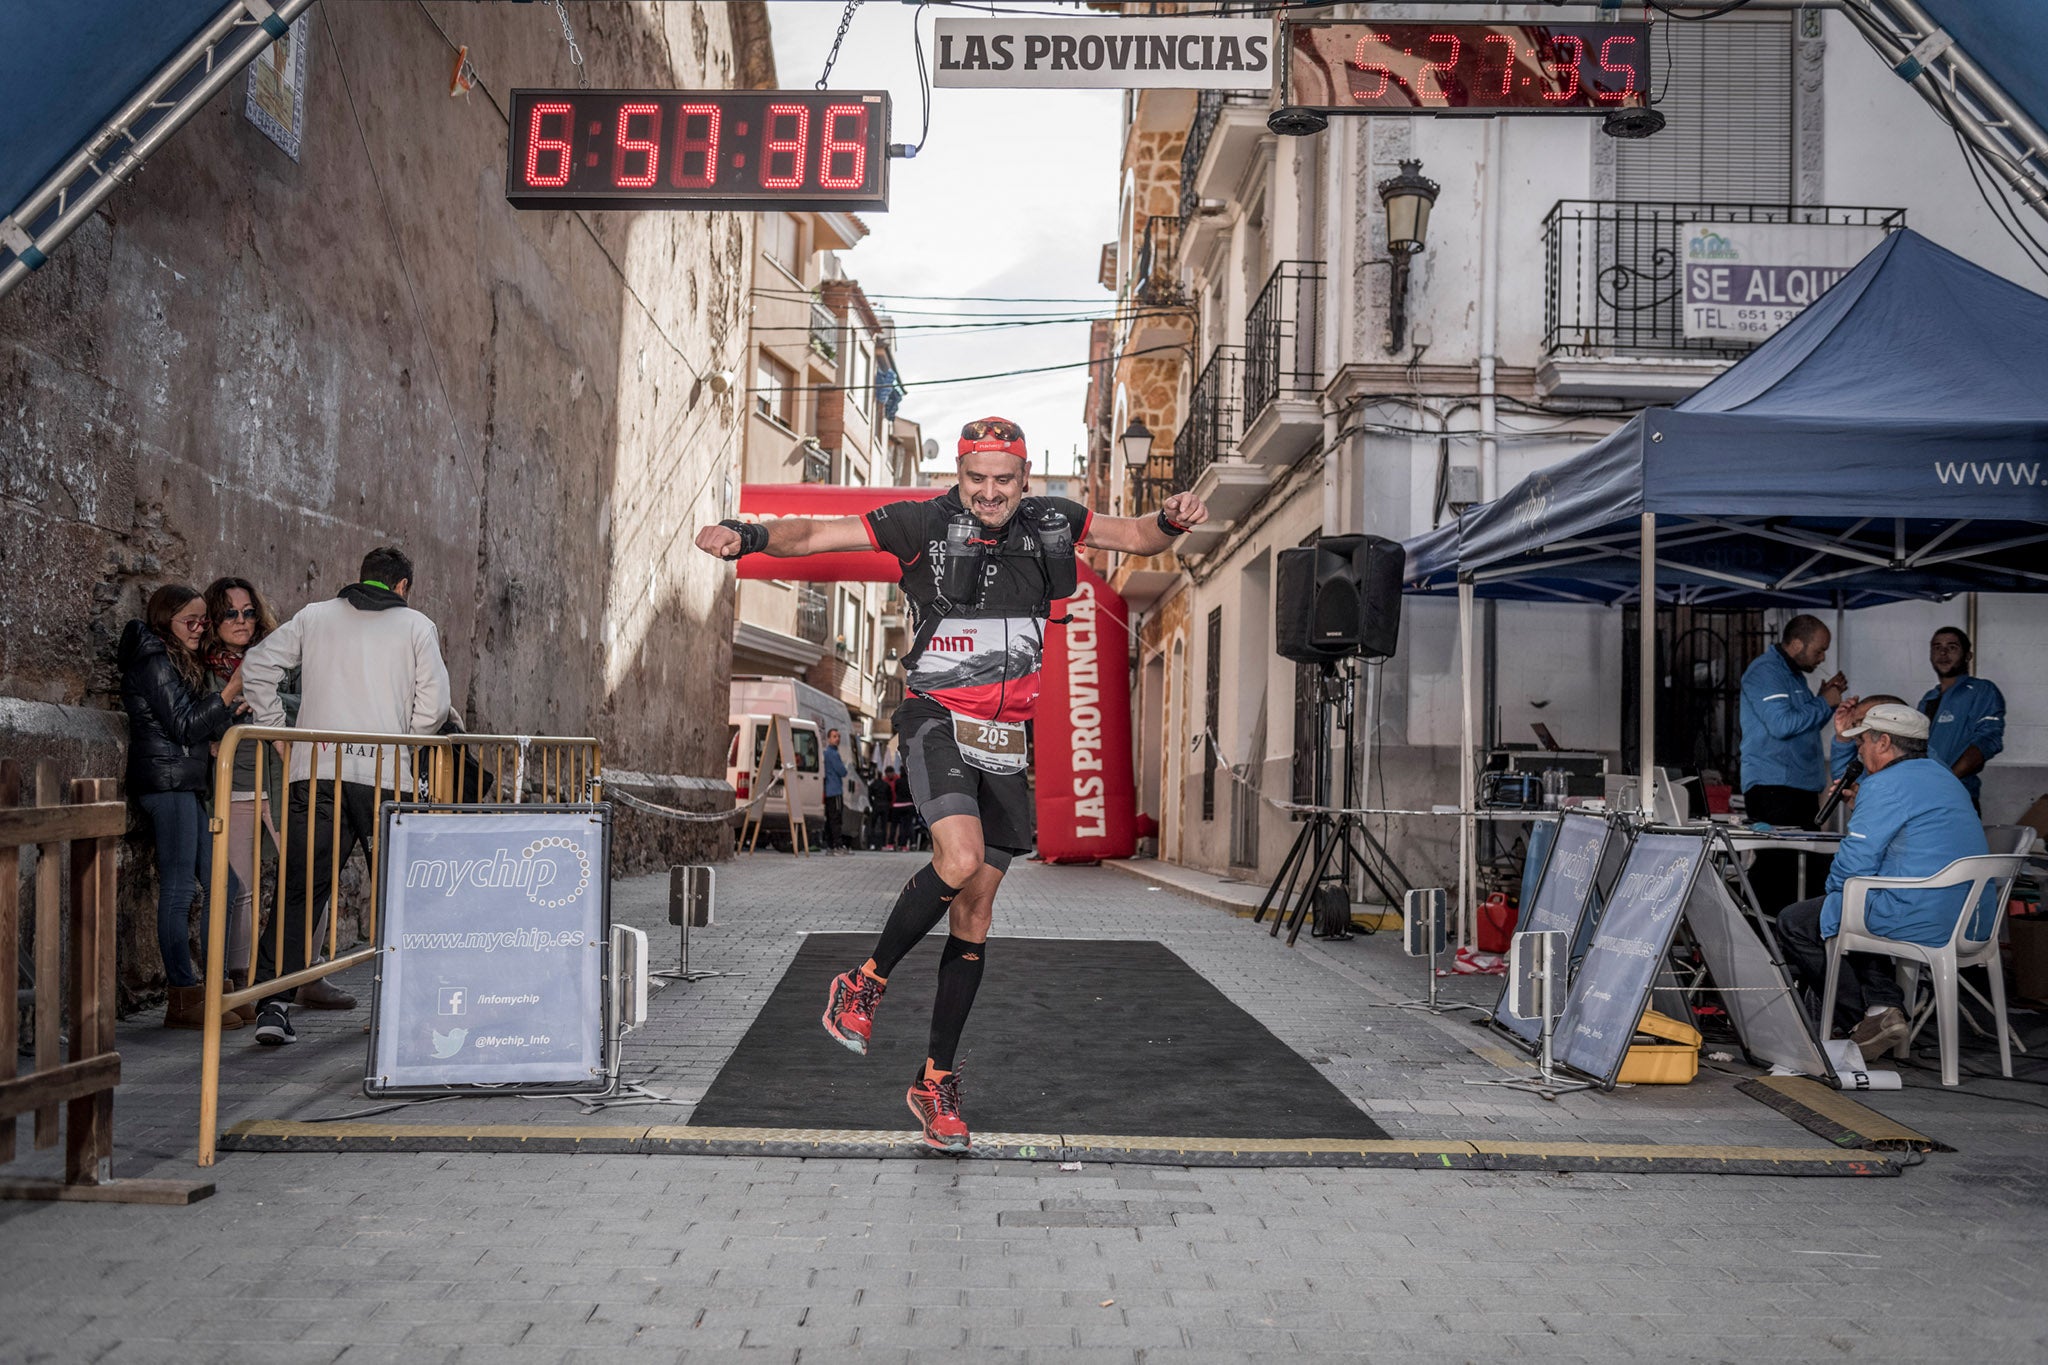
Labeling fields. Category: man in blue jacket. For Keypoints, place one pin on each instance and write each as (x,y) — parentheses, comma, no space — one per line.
(1965,714)
(835,794)
(1912,818)
(1784,765)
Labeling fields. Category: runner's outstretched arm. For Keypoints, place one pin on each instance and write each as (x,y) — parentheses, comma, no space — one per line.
(1148,535)
(788,537)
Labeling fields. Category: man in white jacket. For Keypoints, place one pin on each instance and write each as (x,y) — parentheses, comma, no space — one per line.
(370,664)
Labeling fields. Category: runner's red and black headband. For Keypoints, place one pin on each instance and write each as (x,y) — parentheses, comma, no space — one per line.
(986,434)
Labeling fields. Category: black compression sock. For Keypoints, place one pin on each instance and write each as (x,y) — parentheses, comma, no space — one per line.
(959,979)
(921,904)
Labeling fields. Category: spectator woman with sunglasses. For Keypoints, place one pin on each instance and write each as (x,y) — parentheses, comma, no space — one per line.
(173,717)
(239,618)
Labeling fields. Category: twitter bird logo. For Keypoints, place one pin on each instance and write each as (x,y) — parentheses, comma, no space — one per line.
(449,1043)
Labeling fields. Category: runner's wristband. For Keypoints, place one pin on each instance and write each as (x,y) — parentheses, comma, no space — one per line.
(1172,528)
(753,536)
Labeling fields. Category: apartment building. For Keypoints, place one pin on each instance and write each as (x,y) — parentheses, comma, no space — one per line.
(823,397)
(1304,380)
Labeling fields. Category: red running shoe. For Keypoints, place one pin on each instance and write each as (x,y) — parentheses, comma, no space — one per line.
(937,1106)
(850,1009)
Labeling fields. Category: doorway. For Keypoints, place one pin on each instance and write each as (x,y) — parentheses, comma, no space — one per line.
(1701,653)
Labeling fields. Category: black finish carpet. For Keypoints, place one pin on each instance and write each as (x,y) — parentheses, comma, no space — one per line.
(1067,1036)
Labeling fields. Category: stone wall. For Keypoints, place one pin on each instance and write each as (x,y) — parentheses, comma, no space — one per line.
(245,364)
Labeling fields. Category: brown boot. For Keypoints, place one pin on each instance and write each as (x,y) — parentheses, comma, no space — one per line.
(240,981)
(323,995)
(187,1009)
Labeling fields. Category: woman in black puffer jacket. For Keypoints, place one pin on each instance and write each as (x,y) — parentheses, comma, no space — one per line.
(172,719)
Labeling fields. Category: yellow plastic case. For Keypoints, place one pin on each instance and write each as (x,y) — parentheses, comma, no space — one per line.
(1674,1061)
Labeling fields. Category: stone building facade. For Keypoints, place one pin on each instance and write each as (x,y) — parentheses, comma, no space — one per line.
(254,365)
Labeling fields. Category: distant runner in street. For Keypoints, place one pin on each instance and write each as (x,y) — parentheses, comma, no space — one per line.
(982,566)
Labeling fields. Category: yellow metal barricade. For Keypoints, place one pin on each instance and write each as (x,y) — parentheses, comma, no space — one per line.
(443,769)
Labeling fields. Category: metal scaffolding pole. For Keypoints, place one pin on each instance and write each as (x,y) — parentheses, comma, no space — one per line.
(1927,58)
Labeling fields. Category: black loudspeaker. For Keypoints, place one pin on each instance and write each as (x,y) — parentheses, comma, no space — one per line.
(1339,598)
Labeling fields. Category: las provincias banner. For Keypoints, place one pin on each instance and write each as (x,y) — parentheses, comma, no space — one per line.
(1086,792)
(1087,798)
(1167,52)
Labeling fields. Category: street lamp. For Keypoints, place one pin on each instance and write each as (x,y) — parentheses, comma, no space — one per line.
(1137,444)
(1408,198)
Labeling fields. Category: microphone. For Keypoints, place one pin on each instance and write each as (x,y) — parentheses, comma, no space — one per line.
(1849,776)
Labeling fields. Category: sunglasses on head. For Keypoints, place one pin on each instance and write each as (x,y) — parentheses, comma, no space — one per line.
(237,614)
(991,428)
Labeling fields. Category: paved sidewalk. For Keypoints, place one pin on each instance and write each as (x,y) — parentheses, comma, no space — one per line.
(513,1257)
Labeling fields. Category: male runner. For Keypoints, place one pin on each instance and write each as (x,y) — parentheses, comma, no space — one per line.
(981,565)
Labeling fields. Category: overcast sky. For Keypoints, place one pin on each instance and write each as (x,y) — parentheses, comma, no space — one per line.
(1012,197)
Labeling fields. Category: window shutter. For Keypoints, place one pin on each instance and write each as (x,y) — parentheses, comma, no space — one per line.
(1727,101)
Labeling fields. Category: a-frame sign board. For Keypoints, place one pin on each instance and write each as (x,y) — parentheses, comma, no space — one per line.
(1614,983)
(1565,899)
(777,763)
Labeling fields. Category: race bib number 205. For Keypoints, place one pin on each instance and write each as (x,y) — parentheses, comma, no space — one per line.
(994,746)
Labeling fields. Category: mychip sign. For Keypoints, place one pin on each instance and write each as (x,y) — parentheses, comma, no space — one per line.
(1105,54)
(492,925)
(1744,281)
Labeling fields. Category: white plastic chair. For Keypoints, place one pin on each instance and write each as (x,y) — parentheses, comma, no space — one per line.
(1993,871)
(2010,838)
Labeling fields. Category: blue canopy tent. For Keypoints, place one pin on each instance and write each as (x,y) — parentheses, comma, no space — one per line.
(1918,384)
(89,90)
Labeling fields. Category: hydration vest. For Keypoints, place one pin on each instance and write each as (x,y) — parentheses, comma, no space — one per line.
(1019,569)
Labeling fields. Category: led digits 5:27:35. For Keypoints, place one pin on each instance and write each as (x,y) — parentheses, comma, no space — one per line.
(698,149)
(1460,68)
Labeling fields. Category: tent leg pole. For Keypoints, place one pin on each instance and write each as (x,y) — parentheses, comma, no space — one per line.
(1467,800)
(1646,670)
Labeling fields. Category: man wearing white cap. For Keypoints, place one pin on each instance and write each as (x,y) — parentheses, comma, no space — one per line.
(1912,818)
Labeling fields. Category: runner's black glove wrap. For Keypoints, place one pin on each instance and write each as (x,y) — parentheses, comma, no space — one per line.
(1172,528)
(753,536)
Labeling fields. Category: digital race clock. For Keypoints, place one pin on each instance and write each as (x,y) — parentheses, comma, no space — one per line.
(1382,67)
(698,149)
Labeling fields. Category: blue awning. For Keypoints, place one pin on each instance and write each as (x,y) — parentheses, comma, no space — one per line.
(2006,38)
(1891,442)
(65,69)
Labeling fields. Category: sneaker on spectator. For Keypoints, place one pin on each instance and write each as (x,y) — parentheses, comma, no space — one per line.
(274,1026)
(1877,1034)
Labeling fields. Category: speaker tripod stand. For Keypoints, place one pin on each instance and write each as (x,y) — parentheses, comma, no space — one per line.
(1330,843)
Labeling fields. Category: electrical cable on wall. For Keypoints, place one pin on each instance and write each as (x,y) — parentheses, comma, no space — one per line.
(968,378)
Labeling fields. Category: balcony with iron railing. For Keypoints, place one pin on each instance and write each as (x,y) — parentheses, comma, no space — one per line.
(824,332)
(1154,305)
(1283,379)
(1207,450)
(813,613)
(1614,292)
(1214,420)
(1235,114)
(1154,280)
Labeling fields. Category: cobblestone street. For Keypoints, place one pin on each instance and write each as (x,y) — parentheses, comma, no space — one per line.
(529,1257)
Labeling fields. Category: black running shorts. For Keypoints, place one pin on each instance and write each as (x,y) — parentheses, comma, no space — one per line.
(942,783)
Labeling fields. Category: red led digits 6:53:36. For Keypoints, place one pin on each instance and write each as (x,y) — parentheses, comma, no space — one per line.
(704,149)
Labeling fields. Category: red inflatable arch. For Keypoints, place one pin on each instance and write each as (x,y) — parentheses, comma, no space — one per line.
(1087,799)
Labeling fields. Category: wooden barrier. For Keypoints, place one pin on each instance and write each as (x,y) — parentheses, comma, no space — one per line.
(92,823)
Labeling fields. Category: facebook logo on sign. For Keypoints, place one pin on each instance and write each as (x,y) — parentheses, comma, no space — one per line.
(454,1000)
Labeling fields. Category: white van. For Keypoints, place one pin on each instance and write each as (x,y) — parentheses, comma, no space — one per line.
(749,737)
